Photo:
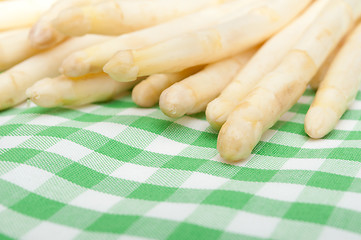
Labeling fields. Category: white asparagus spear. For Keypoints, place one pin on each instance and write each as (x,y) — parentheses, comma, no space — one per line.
(93,59)
(264,61)
(321,73)
(43,34)
(62,91)
(147,92)
(280,89)
(338,90)
(118,16)
(21,13)
(17,79)
(205,46)
(14,47)
(192,94)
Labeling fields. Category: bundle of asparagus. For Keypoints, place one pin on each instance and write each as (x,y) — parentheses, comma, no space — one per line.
(244,62)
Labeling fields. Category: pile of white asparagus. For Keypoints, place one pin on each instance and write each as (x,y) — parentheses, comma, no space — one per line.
(244,62)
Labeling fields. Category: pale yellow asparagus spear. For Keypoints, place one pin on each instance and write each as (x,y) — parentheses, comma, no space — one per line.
(147,92)
(93,59)
(14,47)
(205,46)
(281,88)
(17,79)
(21,13)
(338,90)
(263,62)
(321,73)
(43,34)
(118,16)
(192,94)
(61,90)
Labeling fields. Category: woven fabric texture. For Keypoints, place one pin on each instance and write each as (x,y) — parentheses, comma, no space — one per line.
(116,171)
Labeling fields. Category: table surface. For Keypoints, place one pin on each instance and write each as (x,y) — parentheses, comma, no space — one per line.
(116,171)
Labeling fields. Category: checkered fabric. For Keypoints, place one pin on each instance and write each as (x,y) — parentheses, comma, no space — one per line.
(115,171)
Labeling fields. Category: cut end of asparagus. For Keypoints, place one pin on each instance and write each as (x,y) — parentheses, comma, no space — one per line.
(72,22)
(122,67)
(75,65)
(217,113)
(43,36)
(144,96)
(319,121)
(240,133)
(176,101)
(43,94)
(232,144)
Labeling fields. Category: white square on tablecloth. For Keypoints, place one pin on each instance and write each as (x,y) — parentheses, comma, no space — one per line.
(350,201)
(334,233)
(287,116)
(134,172)
(172,211)
(311,164)
(4,119)
(27,177)
(268,135)
(129,237)
(203,181)
(356,105)
(136,112)
(321,143)
(193,123)
(48,230)
(12,141)
(305,99)
(86,109)
(217,158)
(346,125)
(107,129)
(70,150)
(358,175)
(166,146)
(2,208)
(96,201)
(280,191)
(48,120)
(253,224)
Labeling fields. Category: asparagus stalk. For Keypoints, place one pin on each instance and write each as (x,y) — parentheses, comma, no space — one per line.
(192,94)
(281,88)
(338,90)
(147,92)
(202,47)
(43,35)
(21,13)
(92,60)
(264,61)
(63,91)
(15,47)
(119,16)
(15,81)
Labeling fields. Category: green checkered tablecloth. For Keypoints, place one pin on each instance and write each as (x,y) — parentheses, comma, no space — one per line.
(115,171)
